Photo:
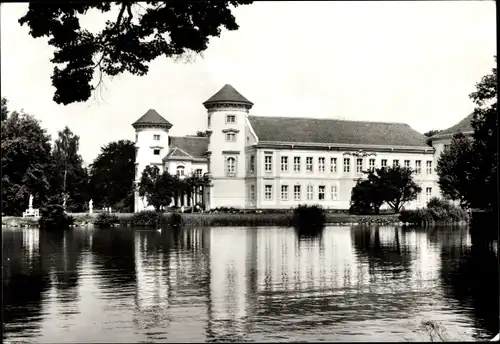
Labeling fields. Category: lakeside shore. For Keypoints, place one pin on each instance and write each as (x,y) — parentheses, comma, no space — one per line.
(219,219)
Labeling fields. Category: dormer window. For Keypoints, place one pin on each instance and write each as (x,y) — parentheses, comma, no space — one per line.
(230,119)
(156,137)
(231,137)
(156,151)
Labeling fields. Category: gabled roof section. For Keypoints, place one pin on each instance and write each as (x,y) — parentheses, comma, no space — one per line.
(465,125)
(326,131)
(178,153)
(188,147)
(228,94)
(151,117)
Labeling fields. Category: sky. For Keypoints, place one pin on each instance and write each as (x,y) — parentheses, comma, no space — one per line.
(414,62)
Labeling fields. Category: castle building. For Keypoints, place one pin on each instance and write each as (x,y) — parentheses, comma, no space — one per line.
(281,162)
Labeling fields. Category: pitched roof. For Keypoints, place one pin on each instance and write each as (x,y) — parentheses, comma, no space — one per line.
(152,117)
(314,130)
(463,126)
(178,153)
(196,147)
(228,94)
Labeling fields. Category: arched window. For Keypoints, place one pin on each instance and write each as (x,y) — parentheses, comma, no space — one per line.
(231,167)
(180,171)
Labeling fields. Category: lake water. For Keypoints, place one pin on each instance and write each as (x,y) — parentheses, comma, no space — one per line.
(246,284)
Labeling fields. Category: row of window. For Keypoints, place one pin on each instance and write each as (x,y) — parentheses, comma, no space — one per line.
(297,192)
(179,171)
(321,164)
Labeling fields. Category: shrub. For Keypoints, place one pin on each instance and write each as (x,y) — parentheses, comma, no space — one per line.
(309,219)
(53,215)
(148,218)
(106,220)
(438,211)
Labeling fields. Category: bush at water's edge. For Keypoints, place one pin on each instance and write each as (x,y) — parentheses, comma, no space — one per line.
(438,212)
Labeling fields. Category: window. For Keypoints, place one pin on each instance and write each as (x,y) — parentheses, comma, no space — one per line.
(230,119)
(284,192)
(252,191)
(230,137)
(251,168)
(395,163)
(136,137)
(333,165)
(156,137)
(321,192)
(418,166)
(321,164)
(428,194)
(284,164)
(334,192)
(268,193)
(180,171)
(383,163)
(428,167)
(198,172)
(296,192)
(156,151)
(309,164)
(296,164)
(230,167)
(359,165)
(309,192)
(371,164)
(347,165)
(407,163)
(268,163)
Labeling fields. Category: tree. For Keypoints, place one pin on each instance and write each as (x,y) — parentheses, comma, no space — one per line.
(202,133)
(429,134)
(366,196)
(485,125)
(68,175)
(5,111)
(455,168)
(397,186)
(159,188)
(127,44)
(112,176)
(25,163)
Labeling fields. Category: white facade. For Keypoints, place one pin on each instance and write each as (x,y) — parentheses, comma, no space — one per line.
(252,168)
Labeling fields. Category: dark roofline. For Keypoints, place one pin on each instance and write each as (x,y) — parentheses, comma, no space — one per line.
(328,119)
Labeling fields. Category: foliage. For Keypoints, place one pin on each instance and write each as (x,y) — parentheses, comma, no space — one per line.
(5,111)
(53,215)
(68,175)
(148,218)
(438,211)
(429,134)
(126,44)
(106,220)
(485,125)
(366,196)
(112,176)
(202,133)
(158,187)
(392,185)
(309,219)
(25,163)
(454,169)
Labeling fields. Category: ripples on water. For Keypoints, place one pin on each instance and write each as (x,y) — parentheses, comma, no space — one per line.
(246,284)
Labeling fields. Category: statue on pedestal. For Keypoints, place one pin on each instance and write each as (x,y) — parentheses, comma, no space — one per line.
(91,206)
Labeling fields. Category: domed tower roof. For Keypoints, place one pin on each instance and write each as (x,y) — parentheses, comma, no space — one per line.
(228,94)
(152,118)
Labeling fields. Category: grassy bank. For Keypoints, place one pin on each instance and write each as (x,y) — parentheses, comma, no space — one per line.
(210,219)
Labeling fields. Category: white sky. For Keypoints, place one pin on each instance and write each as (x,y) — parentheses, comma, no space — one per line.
(414,62)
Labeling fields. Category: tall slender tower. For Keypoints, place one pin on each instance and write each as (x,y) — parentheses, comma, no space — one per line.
(227,117)
(151,145)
